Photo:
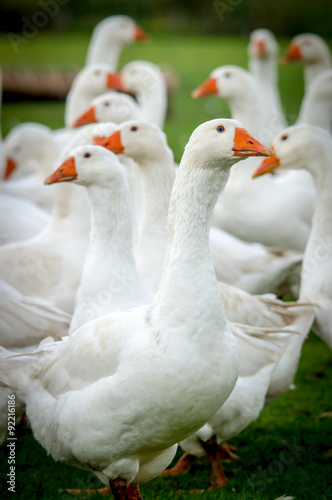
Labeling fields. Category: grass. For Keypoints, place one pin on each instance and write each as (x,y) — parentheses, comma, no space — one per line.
(296,418)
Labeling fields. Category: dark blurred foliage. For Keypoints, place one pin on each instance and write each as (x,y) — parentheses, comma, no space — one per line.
(284,17)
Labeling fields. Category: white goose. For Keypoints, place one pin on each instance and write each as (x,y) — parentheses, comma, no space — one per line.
(309,147)
(247,265)
(312,51)
(293,203)
(316,106)
(109,37)
(110,107)
(183,334)
(110,281)
(263,53)
(89,82)
(30,150)
(146,81)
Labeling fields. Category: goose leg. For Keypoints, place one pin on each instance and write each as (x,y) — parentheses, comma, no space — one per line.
(133,492)
(218,478)
(226,452)
(181,466)
(119,488)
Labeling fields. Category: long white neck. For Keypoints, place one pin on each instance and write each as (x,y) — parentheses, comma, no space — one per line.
(157,181)
(319,245)
(189,287)
(109,280)
(247,110)
(316,111)
(78,100)
(153,102)
(103,49)
(312,70)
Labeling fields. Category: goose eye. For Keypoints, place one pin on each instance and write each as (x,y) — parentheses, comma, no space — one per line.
(87,155)
(284,138)
(228,74)
(220,128)
(133,129)
(97,72)
(106,103)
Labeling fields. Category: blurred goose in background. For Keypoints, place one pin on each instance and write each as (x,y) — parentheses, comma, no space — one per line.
(249,266)
(310,148)
(110,281)
(293,203)
(312,51)
(91,81)
(109,38)
(30,151)
(263,65)
(316,106)
(184,335)
(110,107)
(146,81)
(2,157)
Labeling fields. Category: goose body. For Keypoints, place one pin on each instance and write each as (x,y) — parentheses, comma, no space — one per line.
(316,106)
(144,408)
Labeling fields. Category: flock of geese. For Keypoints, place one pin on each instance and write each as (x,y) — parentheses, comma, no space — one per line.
(128,323)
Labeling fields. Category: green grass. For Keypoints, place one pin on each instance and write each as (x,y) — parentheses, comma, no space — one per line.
(295,417)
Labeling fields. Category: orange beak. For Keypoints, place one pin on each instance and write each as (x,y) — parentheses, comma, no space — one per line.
(207,88)
(10,167)
(293,54)
(66,172)
(246,145)
(88,117)
(261,49)
(267,166)
(139,34)
(114,81)
(113,142)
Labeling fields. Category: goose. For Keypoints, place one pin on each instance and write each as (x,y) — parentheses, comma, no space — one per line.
(110,281)
(110,107)
(146,81)
(91,81)
(309,147)
(312,51)
(247,265)
(263,51)
(30,150)
(109,37)
(294,204)
(102,367)
(2,159)
(316,106)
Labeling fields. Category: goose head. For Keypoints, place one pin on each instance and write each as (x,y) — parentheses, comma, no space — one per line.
(137,139)
(226,139)
(110,107)
(262,44)
(141,77)
(306,48)
(230,83)
(96,79)
(296,147)
(119,29)
(26,146)
(87,165)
